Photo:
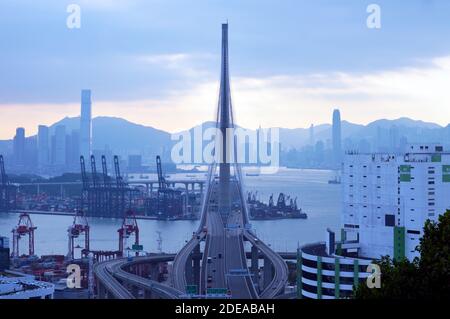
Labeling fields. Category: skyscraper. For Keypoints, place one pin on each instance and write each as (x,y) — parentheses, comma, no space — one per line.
(337,139)
(86,123)
(73,148)
(447,137)
(311,135)
(60,145)
(19,146)
(43,146)
(394,138)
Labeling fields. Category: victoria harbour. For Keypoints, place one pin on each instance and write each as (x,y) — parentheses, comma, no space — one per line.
(308,186)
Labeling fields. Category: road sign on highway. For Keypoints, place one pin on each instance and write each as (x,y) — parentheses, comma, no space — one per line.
(238,272)
(216,291)
(138,247)
(191,289)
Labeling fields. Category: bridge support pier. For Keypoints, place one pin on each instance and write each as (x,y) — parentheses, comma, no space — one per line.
(101,292)
(197,260)
(192,268)
(268,272)
(147,294)
(189,271)
(254,268)
(154,272)
(135,291)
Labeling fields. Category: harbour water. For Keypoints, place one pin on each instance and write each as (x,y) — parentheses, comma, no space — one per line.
(320,200)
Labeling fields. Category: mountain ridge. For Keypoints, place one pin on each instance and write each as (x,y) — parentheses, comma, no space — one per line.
(124,136)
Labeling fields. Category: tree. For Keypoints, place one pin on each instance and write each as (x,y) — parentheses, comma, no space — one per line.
(434,263)
(427,277)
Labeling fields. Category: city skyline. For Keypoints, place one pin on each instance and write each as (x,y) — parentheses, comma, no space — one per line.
(34,131)
(295,70)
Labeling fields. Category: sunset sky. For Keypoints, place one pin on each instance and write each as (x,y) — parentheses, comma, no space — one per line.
(157,62)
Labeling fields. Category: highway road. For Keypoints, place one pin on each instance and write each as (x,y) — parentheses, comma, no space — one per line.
(281,272)
(110,272)
(228,242)
(181,259)
(213,265)
(103,273)
(240,282)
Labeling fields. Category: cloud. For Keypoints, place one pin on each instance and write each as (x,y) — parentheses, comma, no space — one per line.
(171,60)
(102,5)
(420,92)
(297,101)
(192,65)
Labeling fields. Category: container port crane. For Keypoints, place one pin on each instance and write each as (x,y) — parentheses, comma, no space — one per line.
(169,202)
(104,197)
(128,228)
(79,227)
(24,227)
(7,190)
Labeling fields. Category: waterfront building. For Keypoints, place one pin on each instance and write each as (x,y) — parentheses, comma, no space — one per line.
(19,146)
(60,145)
(387,198)
(73,149)
(134,163)
(43,146)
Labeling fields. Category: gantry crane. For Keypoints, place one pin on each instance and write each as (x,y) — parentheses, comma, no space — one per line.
(161,180)
(24,227)
(79,227)
(121,189)
(7,190)
(129,227)
(169,200)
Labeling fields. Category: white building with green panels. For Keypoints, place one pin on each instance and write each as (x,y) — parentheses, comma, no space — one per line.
(388,197)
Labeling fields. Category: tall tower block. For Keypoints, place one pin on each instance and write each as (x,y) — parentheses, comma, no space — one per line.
(86,123)
(337,139)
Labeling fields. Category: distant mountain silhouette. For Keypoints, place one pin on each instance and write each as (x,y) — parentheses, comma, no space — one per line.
(124,137)
(120,135)
(403,122)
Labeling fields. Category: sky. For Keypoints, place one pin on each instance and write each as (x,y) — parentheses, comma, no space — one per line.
(157,62)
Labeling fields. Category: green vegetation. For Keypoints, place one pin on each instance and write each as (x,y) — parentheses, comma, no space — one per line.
(427,277)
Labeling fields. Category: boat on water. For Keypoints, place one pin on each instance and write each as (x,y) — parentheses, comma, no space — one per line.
(337,178)
(252,174)
(335,181)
